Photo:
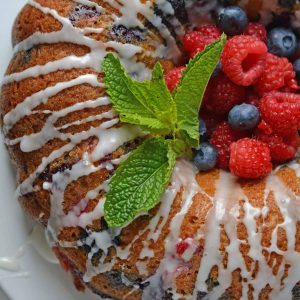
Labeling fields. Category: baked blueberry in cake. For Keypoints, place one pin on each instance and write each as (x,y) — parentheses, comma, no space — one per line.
(227,225)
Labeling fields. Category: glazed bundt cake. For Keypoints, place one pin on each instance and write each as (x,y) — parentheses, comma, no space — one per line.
(212,236)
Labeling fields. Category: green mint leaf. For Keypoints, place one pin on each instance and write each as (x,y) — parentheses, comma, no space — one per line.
(188,95)
(158,96)
(148,104)
(176,147)
(140,181)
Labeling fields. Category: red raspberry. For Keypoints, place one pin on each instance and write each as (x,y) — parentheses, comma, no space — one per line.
(281,111)
(280,150)
(223,158)
(206,95)
(222,137)
(278,75)
(253,98)
(211,120)
(181,247)
(209,30)
(243,59)
(293,140)
(258,30)
(224,95)
(250,158)
(264,127)
(173,77)
(196,41)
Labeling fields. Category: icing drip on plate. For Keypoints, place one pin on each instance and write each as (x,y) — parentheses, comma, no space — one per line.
(37,240)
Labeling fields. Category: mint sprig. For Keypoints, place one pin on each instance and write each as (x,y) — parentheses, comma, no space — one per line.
(140,180)
(188,95)
(148,104)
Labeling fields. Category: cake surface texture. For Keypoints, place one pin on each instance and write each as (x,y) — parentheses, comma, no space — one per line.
(212,236)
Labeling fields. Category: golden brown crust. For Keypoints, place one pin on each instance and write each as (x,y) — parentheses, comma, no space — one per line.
(31,20)
(41,54)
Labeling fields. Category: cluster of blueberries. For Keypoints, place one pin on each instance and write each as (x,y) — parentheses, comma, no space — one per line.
(281,42)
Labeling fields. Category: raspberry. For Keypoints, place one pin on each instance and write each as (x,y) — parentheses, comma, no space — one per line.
(211,120)
(281,111)
(278,75)
(224,95)
(253,98)
(222,137)
(181,247)
(293,140)
(243,59)
(173,77)
(280,150)
(196,41)
(209,30)
(250,158)
(223,158)
(206,94)
(264,127)
(258,30)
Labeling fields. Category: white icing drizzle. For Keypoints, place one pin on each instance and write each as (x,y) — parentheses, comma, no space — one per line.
(225,209)
(183,177)
(11,263)
(99,8)
(216,216)
(36,140)
(289,209)
(37,240)
(227,216)
(130,11)
(171,266)
(29,103)
(66,63)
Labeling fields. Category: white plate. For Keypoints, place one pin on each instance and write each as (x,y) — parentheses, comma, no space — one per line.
(37,279)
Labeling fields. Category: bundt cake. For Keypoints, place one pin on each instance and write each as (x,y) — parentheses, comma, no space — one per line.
(212,236)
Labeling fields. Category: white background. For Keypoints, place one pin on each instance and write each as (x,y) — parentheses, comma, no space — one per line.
(45,281)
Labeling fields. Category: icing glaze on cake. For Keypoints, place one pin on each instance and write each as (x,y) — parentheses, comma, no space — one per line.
(243,236)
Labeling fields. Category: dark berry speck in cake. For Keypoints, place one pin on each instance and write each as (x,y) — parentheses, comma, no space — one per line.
(120,32)
(180,10)
(83,12)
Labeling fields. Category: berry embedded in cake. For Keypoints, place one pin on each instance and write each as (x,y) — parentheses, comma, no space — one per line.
(159,154)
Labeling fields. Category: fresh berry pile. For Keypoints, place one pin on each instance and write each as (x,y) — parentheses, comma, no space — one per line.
(250,113)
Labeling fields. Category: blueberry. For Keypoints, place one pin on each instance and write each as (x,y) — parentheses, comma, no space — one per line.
(217,69)
(282,42)
(232,20)
(244,116)
(205,157)
(202,128)
(297,68)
